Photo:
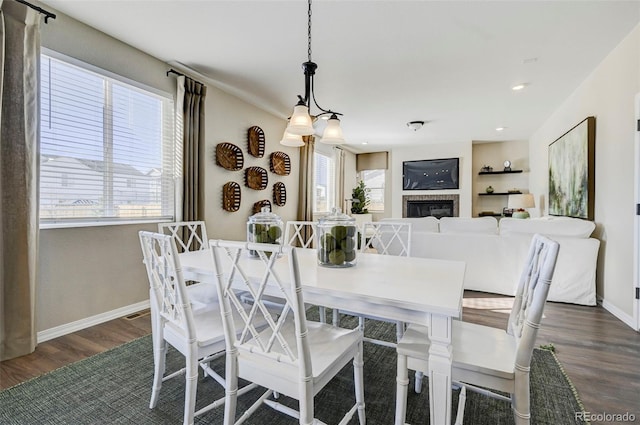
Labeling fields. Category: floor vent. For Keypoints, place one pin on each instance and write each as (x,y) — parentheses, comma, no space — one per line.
(138,314)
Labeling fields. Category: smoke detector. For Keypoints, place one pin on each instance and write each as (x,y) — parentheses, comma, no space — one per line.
(415,125)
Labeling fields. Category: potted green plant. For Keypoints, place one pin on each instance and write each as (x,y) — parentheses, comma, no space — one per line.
(360,199)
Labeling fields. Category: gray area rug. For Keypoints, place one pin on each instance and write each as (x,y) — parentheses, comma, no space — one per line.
(114,388)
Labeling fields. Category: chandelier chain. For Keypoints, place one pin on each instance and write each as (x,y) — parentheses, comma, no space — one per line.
(309,32)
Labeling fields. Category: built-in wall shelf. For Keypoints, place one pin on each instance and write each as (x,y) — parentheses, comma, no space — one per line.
(499,193)
(488,214)
(500,172)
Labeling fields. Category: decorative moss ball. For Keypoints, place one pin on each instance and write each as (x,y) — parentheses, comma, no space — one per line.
(350,255)
(328,242)
(336,257)
(339,232)
(274,233)
(323,255)
(347,244)
(351,230)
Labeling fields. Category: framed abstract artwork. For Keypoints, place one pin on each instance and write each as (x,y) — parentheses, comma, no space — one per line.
(572,172)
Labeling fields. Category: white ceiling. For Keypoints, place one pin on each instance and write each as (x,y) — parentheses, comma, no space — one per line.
(383,63)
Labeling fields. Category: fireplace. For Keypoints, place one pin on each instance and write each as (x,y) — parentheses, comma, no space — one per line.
(436,209)
(430,205)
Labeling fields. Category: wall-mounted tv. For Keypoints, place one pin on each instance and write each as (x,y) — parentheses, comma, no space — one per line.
(430,174)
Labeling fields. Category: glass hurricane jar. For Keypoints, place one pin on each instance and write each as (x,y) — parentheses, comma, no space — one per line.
(264,227)
(337,240)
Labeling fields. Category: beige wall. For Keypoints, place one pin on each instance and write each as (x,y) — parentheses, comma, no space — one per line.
(434,151)
(608,94)
(91,271)
(494,154)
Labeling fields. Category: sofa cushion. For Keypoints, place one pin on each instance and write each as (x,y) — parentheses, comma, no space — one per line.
(549,226)
(418,224)
(482,225)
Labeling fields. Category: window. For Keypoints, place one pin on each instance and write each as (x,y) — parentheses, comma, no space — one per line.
(374,180)
(324,185)
(112,139)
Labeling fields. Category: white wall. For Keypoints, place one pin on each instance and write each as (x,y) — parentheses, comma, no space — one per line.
(461,150)
(608,94)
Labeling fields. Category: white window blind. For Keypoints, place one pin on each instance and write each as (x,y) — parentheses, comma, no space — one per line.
(107,148)
(324,184)
(374,180)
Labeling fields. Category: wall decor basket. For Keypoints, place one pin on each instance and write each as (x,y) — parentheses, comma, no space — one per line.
(231,197)
(280,163)
(229,156)
(256,178)
(257,207)
(279,194)
(256,141)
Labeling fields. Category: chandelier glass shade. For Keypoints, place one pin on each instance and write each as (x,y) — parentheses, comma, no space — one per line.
(301,121)
(293,140)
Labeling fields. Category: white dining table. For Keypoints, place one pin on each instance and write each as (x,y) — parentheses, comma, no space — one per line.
(407,289)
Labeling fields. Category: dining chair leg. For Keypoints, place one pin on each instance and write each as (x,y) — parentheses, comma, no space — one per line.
(402,386)
(462,399)
(191,385)
(323,314)
(231,388)
(358,377)
(399,330)
(418,383)
(520,399)
(159,357)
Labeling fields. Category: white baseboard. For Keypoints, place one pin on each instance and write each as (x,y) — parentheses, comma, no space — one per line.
(87,322)
(624,317)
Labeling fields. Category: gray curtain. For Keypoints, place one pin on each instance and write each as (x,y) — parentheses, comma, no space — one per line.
(307,169)
(19,157)
(193,149)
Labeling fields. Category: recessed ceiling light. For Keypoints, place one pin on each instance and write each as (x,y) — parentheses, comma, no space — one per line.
(519,87)
(500,128)
(365,143)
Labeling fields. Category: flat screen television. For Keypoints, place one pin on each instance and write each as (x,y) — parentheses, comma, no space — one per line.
(430,174)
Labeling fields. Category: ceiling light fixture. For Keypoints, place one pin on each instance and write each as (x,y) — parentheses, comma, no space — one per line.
(500,128)
(301,122)
(518,87)
(415,125)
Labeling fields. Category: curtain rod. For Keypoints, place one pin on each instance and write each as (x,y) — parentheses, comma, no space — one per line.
(46,13)
(180,74)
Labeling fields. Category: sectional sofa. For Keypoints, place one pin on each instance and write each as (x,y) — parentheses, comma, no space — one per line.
(495,251)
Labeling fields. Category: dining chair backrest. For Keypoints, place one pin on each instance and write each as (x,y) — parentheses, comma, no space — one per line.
(387,238)
(167,286)
(300,233)
(259,277)
(188,235)
(533,288)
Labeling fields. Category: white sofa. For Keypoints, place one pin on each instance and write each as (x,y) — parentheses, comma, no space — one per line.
(495,251)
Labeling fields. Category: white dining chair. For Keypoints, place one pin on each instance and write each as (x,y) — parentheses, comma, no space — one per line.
(197,335)
(292,356)
(384,238)
(300,233)
(488,357)
(192,236)
(188,235)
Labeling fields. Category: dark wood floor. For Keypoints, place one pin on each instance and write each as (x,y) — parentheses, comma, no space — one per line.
(600,354)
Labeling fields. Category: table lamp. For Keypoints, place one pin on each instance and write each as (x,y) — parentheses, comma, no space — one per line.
(519,203)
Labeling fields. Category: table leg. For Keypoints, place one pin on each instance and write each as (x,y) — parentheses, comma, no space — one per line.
(440,358)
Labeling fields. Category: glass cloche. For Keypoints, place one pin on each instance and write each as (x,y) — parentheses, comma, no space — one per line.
(264,227)
(337,241)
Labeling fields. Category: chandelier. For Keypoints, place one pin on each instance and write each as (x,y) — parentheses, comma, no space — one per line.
(301,122)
